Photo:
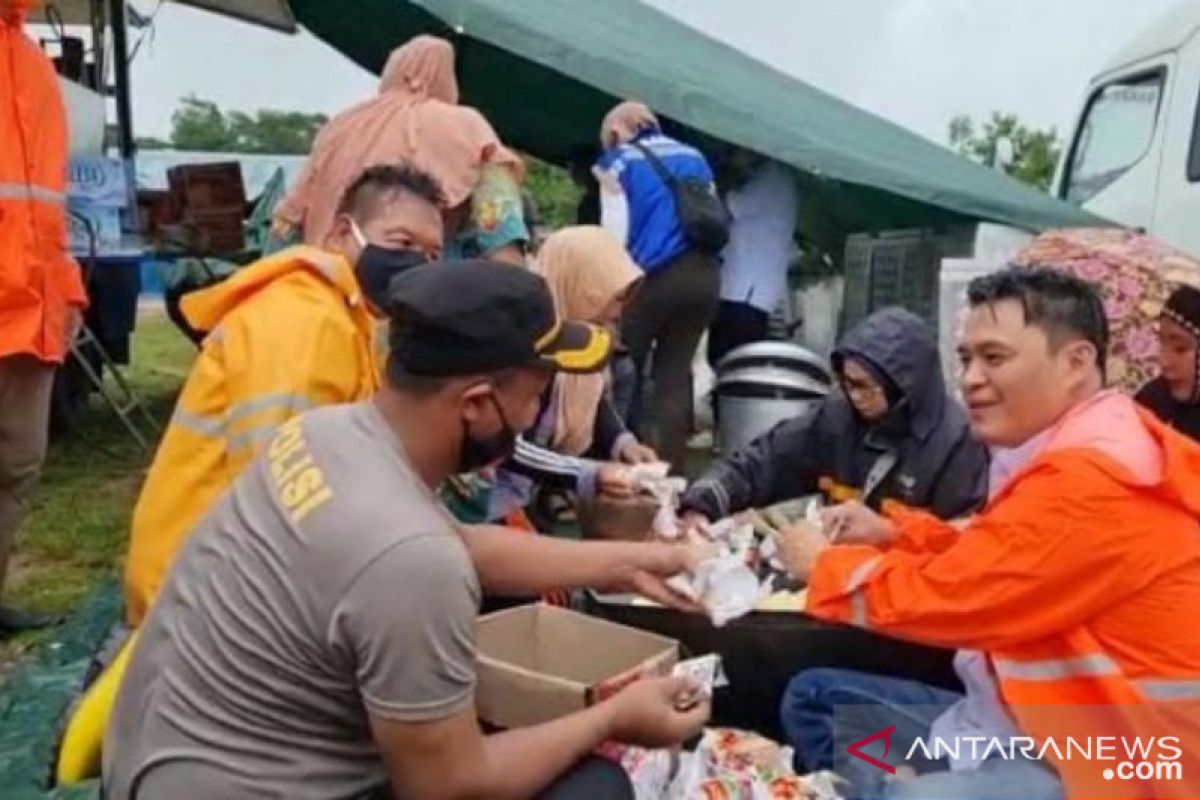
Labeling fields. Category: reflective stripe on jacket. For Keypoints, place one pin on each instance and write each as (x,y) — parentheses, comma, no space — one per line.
(1080,582)
(39,281)
(288,333)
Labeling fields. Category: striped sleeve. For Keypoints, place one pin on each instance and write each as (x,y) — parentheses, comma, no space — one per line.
(553,469)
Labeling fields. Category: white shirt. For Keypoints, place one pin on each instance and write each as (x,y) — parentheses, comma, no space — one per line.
(760,238)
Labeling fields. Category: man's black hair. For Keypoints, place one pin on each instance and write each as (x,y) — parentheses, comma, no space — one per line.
(1063,306)
(362,198)
(426,385)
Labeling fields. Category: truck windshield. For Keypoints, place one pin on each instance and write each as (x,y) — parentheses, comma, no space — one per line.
(1116,134)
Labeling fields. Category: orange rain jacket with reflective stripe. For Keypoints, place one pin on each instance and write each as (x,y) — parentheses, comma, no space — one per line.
(288,333)
(1080,582)
(39,281)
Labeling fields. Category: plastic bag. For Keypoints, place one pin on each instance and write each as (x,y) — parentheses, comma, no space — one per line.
(727,585)
(652,479)
(650,771)
(737,765)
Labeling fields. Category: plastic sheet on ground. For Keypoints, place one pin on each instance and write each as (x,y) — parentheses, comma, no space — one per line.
(35,698)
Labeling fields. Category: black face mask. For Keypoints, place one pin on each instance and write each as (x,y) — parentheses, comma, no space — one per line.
(477,453)
(378,265)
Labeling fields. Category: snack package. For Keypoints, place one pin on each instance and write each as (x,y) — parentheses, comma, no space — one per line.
(738,765)
(652,479)
(785,601)
(705,672)
(725,585)
(650,771)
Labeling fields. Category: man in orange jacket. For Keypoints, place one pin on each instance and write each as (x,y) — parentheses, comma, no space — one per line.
(41,290)
(1075,592)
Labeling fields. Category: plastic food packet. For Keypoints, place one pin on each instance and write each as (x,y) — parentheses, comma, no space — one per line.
(705,673)
(728,588)
(652,479)
(650,771)
(738,765)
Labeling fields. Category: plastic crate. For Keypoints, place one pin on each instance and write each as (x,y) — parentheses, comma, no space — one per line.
(216,231)
(207,186)
(893,268)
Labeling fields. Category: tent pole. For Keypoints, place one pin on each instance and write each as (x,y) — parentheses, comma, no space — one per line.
(120,31)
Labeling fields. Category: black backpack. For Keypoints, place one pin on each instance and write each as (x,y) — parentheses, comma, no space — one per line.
(702,215)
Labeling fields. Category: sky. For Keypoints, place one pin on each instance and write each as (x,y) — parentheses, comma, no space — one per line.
(915,62)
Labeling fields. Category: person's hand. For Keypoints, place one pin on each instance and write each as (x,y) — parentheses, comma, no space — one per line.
(657,563)
(655,589)
(657,712)
(692,523)
(854,523)
(634,452)
(799,545)
(614,480)
(73,326)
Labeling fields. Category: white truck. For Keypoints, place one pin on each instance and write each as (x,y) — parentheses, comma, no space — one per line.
(1134,155)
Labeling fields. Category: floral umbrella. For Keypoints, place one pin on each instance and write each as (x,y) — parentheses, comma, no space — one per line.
(1135,274)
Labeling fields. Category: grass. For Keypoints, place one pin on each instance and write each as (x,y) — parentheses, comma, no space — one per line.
(74,537)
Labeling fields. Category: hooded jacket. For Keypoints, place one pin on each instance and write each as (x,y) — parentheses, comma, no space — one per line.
(922,452)
(286,334)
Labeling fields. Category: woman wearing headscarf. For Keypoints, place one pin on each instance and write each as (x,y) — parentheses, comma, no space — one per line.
(579,440)
(414,119)
(680,294)
(1174,396)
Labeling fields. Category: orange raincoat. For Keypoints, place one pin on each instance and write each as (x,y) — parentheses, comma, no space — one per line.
(1080,580)
(286,334)
(39,281)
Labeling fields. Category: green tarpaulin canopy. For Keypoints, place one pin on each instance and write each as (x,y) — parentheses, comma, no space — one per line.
(545,71)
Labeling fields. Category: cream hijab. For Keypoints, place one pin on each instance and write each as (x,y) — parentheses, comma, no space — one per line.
(624,122)
(586,269)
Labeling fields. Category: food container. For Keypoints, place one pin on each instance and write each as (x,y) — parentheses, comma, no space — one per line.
(618,519)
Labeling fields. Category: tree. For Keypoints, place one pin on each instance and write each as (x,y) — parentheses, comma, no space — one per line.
(151,143)
(200,124)
(1034,152)
(277,132)
(553,191)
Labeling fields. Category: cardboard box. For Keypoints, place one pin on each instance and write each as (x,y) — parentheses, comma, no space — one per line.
(537,663)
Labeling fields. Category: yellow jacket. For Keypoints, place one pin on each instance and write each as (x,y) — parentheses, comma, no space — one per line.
(286,334)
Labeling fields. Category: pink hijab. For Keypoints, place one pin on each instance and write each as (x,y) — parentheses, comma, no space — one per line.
(415,119)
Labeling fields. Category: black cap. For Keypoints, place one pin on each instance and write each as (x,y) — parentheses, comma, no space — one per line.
(469,317)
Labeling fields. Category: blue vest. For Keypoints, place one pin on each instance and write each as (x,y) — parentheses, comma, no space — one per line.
(655,235)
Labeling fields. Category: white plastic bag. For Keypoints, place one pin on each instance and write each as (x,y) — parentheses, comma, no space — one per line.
(652,479)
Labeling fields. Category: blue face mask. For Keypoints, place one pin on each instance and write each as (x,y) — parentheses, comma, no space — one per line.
(377,266)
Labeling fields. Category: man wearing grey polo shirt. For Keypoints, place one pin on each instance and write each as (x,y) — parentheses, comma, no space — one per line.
(315,638)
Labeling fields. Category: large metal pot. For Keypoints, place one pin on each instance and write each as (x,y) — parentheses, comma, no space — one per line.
(752,400)
(784,355)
